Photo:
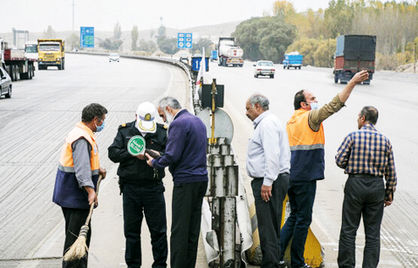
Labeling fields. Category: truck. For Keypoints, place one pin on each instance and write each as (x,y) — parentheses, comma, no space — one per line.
(51,53)
(15,63)
(229,54)
(354,53)
(31,50)
(292,59)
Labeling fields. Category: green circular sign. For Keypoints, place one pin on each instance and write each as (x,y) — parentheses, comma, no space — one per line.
(136,145)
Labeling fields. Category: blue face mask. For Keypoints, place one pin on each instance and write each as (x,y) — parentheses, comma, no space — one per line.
(101,127)
(314,105)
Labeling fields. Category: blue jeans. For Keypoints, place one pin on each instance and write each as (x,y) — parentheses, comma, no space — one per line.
(301,199)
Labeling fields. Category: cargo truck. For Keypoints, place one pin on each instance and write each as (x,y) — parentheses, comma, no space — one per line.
(229,54)
(292,59)
(353,54)
(16,64)
(51,53)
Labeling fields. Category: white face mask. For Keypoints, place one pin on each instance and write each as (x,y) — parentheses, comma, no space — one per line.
(168,117)
(314,105)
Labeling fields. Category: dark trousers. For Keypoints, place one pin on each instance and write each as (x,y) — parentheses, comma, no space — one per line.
(269,217)
(363,195)
(137,201)
(74,219)
(301,199)
(185,226)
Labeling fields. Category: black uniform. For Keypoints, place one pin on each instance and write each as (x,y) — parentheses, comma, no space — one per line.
(142,190)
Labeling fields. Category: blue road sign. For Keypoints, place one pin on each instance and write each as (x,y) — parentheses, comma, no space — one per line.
(86,37)
(196,63)
(184,40)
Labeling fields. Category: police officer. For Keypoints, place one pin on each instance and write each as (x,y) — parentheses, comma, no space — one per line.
(141,186)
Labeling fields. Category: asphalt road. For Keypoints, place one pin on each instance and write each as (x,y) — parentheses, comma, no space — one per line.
(395,95)
(34,122)
(33,125)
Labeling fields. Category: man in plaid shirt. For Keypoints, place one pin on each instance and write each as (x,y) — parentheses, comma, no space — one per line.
(366,156)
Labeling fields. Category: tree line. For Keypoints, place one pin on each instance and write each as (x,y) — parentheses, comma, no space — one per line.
(313,33)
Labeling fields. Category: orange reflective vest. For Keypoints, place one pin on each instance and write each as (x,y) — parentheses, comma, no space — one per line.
(67,192)
(307,148)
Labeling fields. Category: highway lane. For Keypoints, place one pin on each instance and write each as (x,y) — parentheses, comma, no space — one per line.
(35,121)
(396,97)
(33,125)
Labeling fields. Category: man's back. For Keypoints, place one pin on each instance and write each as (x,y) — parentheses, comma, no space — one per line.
(187,144)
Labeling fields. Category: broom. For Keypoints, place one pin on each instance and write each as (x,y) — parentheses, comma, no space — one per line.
(79,248)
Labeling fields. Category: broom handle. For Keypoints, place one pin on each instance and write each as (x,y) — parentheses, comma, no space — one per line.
(92,205)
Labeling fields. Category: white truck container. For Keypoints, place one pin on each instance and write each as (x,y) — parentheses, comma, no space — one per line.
(229,54)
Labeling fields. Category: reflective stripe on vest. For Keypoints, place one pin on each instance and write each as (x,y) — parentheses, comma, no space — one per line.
(307,148)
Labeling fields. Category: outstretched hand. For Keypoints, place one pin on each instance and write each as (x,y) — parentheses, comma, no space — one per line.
(360,77)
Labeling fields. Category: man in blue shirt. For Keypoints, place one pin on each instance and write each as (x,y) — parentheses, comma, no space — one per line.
(185,154)
(268,163)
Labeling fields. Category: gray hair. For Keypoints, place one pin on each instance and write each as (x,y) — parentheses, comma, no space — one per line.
(169,102)
(260,99)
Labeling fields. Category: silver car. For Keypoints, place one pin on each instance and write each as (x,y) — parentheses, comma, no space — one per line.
(5,84)
(114,57)
(265,68)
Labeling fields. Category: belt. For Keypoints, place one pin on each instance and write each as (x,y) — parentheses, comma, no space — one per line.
(365,176)
(260,178)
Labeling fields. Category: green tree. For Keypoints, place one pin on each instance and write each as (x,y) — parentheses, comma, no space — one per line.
(117,31)
(168,45)
(148,46)
(323,55)
(161,33)
(203,43)
(306,47)
(338,18)
(134,37)
(110,44)
(265,37)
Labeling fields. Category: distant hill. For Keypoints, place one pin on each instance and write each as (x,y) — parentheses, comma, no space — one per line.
(212,32)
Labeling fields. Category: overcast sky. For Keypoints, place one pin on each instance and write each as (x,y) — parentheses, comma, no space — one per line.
(36,15)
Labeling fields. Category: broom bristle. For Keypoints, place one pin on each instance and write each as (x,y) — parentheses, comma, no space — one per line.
(79,248)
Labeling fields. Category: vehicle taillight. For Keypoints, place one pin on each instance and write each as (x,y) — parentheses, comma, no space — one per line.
(273,70)
(258,70)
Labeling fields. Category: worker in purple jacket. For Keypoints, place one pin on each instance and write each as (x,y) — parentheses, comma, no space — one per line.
(185,154)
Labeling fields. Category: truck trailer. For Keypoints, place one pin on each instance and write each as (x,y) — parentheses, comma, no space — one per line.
(229,54)
(354,53)
(16,64)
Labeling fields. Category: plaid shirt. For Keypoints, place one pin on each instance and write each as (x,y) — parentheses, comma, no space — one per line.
(367,151)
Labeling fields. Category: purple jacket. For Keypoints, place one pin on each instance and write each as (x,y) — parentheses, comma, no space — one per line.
(185,151)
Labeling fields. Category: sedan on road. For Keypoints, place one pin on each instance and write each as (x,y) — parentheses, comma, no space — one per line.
(5,84)
(114,57)
(264,67)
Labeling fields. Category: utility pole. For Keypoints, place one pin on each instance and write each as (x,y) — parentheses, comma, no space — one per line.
(73,17)
(415,56)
